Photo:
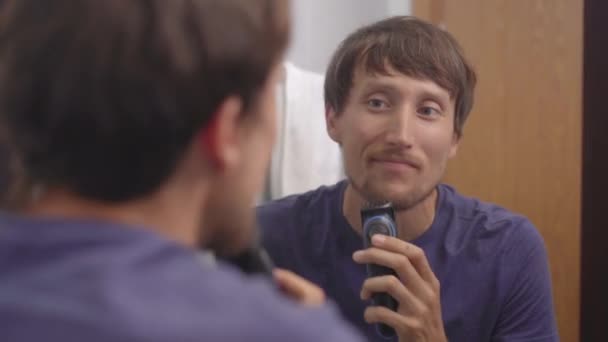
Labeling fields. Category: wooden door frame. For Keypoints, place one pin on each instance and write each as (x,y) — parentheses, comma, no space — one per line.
(594,221)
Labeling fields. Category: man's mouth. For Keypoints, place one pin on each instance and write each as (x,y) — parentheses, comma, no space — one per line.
(396,163)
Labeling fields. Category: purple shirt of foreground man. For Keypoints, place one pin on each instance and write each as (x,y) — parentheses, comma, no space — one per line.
(85,280)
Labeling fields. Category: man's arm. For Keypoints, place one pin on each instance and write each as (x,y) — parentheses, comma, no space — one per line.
(527,313)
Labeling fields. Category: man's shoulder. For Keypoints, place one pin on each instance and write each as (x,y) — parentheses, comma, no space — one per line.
(503,250)
(295,207)
(259,311)
(224,298)
(494,224)
(295,230)
(279,319)
(160,304)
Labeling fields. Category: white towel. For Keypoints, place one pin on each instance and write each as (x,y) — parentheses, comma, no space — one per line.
(304,157)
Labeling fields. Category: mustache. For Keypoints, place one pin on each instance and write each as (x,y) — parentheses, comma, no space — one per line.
(398,155)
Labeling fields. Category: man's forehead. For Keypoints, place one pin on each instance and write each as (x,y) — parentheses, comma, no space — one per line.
(391,78)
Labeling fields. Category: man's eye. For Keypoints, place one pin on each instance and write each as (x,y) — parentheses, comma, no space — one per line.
(377,104)
(428,111)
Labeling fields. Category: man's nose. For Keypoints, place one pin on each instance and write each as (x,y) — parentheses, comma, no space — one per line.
(400,128)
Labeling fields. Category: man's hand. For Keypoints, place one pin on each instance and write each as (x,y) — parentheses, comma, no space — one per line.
(298,288)
(416,289)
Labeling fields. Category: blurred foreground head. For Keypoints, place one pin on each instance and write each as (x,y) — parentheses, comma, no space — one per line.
(122,102)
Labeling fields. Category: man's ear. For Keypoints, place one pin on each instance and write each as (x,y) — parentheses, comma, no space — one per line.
(332,124)
(455,143)
(219,139)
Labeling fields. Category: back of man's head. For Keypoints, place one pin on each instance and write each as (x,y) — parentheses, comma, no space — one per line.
(104,97)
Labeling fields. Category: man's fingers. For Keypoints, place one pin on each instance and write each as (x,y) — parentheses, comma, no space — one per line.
(415,255)
(288,283)
(298,288)
(393,286)
(398,262)
(380,314)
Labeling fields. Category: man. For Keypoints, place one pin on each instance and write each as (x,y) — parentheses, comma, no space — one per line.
(145,127)
(397,94)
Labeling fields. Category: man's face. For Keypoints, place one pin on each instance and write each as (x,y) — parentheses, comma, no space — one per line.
(397,134)
(229,212)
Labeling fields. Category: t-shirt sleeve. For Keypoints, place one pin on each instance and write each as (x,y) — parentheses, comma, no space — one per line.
(527,312)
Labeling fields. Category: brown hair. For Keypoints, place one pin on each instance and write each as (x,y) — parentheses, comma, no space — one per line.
(411,46)
(104,96)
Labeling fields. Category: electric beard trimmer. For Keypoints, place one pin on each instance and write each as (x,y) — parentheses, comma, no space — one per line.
(380,219)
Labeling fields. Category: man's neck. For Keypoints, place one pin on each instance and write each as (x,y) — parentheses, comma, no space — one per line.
(161,214)
(411,222)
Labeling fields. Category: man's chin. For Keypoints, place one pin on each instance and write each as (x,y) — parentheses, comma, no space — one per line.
(387,193)
(401,199)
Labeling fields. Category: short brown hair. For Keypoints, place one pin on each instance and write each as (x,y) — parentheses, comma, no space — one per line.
(104,96)
(411,46)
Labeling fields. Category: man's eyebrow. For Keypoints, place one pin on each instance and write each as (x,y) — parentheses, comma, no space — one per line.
(379,86)
(432,94)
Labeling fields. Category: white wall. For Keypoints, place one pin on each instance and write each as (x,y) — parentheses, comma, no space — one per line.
(320,25)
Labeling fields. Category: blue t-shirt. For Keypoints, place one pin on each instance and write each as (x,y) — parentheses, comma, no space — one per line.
(491,264)
(63,281)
